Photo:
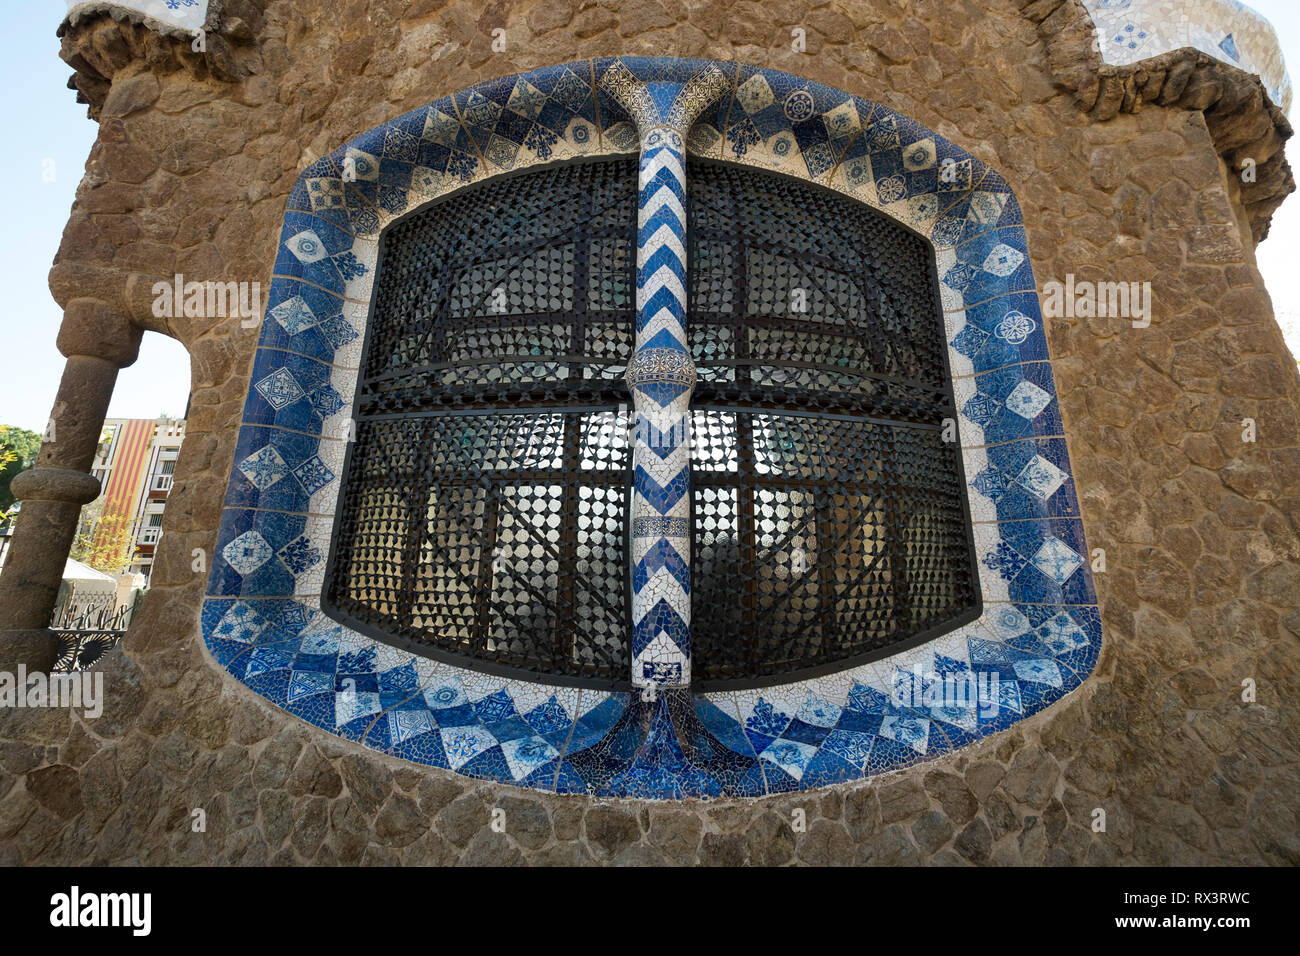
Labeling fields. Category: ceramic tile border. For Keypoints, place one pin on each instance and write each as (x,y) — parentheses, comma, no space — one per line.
(1132,30)
(1039,633)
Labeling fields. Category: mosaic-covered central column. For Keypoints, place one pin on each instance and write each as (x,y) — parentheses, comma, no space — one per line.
(661,375)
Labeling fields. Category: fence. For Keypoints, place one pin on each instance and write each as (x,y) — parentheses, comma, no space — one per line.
(87,633)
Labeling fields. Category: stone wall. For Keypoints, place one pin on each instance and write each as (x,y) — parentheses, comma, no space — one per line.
(1248,129)
(1202,590)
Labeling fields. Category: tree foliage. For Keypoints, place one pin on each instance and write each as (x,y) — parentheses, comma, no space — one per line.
(104,540)
(18,448)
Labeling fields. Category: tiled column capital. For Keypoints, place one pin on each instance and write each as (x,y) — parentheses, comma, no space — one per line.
(665,103)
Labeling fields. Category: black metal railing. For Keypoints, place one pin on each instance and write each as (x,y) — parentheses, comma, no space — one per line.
(88,632)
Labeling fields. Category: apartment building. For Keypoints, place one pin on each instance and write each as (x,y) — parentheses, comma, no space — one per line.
(134,464)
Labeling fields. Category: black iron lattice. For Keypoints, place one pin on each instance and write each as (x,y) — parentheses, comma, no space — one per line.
(82,650)
(829,515)
(483,513)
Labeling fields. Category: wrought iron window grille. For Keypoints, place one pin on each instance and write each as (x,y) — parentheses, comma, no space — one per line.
(482,518)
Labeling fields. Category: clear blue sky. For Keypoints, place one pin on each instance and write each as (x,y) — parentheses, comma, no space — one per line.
(52,126)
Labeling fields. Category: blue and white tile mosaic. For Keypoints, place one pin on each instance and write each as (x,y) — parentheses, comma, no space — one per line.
(661,374)
(1133,30)
(183,15)
(1038,636)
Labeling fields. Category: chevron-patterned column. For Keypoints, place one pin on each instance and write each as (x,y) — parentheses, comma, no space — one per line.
(661,375)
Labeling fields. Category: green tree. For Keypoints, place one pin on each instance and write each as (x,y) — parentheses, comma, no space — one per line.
(103,540)
(18,448)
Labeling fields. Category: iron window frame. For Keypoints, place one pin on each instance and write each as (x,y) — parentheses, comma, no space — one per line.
(976,609)
(623,684)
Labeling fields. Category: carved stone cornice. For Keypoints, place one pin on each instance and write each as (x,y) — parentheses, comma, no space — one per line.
(1239,113)
(99,43)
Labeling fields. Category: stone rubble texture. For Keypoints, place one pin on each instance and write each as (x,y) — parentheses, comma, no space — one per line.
(195,156)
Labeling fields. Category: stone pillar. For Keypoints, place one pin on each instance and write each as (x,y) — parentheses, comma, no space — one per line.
(661,376)
(97,341)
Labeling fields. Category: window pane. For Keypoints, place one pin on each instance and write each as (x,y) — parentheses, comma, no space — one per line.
(829,515)
(483,509)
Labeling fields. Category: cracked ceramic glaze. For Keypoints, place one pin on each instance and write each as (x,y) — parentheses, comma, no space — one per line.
(1039,633)
(1132,30)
